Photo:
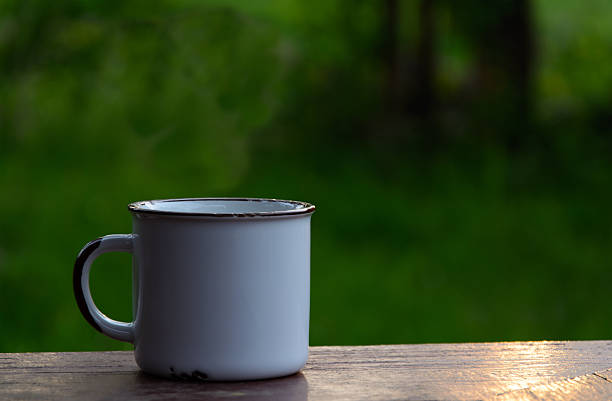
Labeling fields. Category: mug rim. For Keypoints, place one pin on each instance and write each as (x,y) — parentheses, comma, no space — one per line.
(303,207)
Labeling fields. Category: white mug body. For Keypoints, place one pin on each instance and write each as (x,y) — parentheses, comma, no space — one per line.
(217,296)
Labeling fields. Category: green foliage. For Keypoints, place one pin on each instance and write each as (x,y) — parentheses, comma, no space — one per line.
(104,103)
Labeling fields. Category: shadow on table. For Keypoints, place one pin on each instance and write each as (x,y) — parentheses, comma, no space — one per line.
(143,386)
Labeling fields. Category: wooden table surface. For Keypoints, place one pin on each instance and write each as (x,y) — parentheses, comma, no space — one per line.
(500,371)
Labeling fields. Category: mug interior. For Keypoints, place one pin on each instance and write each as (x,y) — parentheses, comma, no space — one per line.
(220,207)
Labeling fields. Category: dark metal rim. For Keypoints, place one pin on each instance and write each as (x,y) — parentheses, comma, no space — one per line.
(77,274)
(304,208)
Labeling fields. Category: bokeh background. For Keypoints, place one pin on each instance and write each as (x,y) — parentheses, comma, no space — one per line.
(458,154)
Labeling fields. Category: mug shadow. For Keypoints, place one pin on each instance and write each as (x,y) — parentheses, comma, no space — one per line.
(294,387)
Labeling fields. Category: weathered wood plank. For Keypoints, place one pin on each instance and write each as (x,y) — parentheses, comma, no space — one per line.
(586,387)
(523,370)
(449,371)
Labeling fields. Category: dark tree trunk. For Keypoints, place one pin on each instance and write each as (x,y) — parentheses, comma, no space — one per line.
(423,101)
(520,43)
(390,54)
(505,70)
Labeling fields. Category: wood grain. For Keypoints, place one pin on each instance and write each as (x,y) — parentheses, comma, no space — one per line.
(586,387)
(504,371)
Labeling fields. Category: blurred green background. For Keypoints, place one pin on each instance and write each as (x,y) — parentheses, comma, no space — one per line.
(458,154)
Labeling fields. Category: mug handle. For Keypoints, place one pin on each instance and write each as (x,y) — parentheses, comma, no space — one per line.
(80,281)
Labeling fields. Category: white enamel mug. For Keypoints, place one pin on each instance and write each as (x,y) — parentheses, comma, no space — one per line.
(221,287)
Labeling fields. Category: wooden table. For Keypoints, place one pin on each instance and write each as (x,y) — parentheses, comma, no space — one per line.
(504,371)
